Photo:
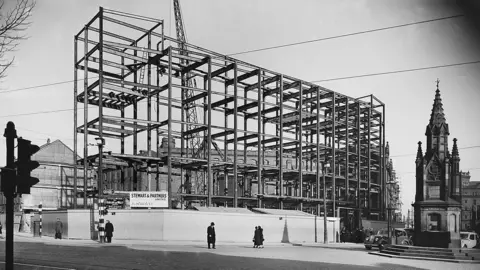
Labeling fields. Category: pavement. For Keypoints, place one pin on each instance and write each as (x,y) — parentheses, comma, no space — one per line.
(129,242)
(142,254)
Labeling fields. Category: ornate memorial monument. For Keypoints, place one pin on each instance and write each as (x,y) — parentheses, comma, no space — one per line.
(438,185)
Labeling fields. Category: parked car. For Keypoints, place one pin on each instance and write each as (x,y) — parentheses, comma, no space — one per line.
(399,237)
(469,239)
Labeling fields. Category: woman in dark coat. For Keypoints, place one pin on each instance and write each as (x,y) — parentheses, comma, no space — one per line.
(259,237)
(109,231)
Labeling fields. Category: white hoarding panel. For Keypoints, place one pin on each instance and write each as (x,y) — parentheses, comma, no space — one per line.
(148,199)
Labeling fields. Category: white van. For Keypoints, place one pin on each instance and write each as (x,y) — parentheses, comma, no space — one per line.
(468,239)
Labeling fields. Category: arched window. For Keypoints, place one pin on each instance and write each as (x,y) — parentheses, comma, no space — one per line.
(433,222)
(266,162)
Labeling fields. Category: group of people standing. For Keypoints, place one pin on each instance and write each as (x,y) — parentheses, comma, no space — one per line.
(257,236)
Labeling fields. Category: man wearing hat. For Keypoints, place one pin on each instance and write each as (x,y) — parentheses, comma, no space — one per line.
(211,235)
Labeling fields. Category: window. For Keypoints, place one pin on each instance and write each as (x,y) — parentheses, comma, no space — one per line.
(466,201)
(474,202)
(434,222)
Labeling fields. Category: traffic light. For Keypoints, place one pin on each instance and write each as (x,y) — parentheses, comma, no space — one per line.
(25,166)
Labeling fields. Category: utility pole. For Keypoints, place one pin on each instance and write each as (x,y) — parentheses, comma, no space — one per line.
(8,188)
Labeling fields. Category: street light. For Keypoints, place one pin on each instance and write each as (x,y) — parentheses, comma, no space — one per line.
(325,232)
(100,143)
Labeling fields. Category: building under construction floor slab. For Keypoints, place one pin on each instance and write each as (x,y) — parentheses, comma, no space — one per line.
(259,138)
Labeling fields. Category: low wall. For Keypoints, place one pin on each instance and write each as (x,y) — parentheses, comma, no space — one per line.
(178,225)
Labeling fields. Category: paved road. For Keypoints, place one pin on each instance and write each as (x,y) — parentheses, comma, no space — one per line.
(197,256)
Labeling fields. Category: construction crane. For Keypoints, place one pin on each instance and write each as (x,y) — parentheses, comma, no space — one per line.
(195,145)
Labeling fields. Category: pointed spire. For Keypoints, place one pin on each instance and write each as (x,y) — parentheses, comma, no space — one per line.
(419,152)
(437,117)
(455,153)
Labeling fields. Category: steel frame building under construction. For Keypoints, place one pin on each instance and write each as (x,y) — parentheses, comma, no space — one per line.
(125,60)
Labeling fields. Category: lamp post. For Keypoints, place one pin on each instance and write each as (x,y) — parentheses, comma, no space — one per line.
(100,143)
(325,231)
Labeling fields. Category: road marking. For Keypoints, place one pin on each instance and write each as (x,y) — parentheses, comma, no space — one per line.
(46,266)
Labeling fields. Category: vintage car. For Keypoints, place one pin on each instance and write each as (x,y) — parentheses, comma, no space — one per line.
(469,239)
(399,237)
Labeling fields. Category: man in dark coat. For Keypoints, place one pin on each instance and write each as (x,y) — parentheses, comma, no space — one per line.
(211,235)
(109,231)
(58,229)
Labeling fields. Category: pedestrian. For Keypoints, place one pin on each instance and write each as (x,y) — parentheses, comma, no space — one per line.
(254,235)
(261,236)
(258,237)
(211,235)
(109,231)
(58,229)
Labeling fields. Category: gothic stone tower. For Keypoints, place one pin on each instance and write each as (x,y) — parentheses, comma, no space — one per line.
(438,185)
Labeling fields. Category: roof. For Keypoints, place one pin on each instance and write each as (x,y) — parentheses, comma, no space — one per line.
(59,141)
(62,155)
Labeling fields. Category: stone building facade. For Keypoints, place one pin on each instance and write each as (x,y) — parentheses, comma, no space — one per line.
(470,204)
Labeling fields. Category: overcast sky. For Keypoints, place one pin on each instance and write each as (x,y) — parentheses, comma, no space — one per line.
(237,26)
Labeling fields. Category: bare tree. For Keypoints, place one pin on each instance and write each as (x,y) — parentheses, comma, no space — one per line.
(13,24)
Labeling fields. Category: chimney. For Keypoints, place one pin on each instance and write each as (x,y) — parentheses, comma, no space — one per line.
(48,140)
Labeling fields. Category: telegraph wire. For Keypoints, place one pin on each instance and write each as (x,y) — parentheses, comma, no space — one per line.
(346,35)
(298,43)
(42,85)
(397,71)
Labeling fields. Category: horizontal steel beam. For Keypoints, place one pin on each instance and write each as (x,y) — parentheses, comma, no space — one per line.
(243,77)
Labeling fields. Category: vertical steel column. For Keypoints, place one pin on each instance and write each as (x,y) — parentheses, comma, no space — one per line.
(205,143)
(75,121)
(157,97)
(235,137)
(247,183)
(359,165)
(347,153)
(259,138)
(384,169)
(169,157)
(209,134)
(380,173)
(280,126)
(122,140)
(300,143)
(317,130)
(369,155)
(149,107)
(182,129)
(100,120)
(85,116)
(225,150)
(135,129)
(100,103)
(334,116)
(260,143)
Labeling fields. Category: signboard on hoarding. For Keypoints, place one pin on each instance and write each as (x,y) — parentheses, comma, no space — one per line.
(149,199)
